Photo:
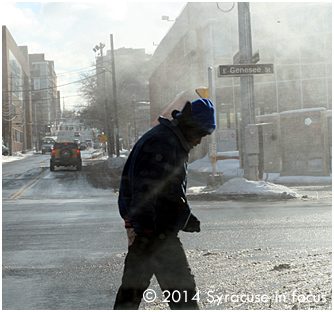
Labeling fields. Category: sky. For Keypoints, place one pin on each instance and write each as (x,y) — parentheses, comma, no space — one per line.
(67,32)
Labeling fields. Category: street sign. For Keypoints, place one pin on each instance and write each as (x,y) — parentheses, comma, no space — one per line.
(237,58)
(245,69)
(203,92)
(256,57)
(103,139)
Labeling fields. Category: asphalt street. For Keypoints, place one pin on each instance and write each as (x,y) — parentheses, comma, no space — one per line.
(64,246)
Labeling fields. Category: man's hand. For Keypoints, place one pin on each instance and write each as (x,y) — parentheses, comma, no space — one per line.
(193,225)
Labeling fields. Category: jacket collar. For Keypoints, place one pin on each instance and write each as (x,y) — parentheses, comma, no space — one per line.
(172,124)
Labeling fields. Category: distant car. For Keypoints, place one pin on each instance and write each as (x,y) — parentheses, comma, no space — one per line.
(89,142)
(47,144)
(82,146)
(76,141)
(65,154)
(5,150)
(77,134)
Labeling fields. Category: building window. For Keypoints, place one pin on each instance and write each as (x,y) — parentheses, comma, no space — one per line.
(44,84)
(43,70)
(15,73)
(37,84)
(18,136)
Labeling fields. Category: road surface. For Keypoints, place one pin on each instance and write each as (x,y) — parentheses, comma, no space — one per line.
(64,246)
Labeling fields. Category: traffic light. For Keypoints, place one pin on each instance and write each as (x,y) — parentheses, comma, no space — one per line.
(203,92)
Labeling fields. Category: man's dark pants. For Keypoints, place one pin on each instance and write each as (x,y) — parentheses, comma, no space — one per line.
(163,256)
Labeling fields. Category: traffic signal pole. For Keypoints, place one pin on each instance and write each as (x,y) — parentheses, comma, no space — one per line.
(213,136)
(247,83)
(214,179)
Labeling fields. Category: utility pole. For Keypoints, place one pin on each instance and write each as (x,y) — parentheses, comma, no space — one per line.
(116,129)
(110,145)
(247,82)
(63,106)
(134,120)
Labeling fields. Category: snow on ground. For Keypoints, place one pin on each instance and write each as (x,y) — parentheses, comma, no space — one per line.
(230,170)
(236,184)
(16,156)
(242,186)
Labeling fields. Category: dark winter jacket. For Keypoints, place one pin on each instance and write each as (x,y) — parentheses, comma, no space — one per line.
(152,194)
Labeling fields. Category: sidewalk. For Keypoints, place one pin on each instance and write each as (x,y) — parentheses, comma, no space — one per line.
(229,169)
(236,187)
(16,156)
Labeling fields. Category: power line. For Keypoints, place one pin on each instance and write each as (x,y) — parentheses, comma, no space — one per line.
(76,70)
(9,119)
(55,98)
(57,75)
(48,77)
(58,86)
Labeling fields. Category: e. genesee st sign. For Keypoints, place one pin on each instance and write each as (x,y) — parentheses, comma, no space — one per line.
(245,69)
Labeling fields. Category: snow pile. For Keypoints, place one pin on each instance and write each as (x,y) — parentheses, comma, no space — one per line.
(15,156)
(242,186)
(116,163)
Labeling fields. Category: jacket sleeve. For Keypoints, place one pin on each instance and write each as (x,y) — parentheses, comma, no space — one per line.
(157,175)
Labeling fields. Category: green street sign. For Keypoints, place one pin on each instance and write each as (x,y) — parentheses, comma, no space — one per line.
(245,69)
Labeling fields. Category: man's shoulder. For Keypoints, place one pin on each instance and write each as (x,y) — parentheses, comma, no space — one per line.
(165,135)
(161,134)
(165,128)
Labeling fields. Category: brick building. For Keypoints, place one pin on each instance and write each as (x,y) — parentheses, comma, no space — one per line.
(44,95)
(16,101)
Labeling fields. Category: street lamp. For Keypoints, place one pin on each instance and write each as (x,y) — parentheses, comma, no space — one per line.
(100,47)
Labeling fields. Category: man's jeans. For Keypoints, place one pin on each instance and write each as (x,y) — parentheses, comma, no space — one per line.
(163,256)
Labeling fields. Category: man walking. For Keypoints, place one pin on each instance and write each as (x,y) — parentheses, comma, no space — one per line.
(153,203)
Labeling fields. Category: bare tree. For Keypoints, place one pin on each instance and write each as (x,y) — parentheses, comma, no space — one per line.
(93,112)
